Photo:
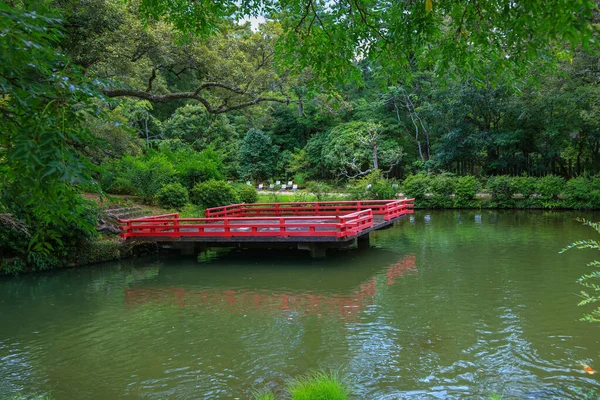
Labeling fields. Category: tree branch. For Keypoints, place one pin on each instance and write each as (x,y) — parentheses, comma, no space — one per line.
(195,95)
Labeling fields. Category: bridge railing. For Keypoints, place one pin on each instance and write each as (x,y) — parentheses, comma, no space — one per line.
(389,209)
(172,226)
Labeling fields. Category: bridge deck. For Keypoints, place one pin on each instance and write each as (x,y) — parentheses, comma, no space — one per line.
(281,222)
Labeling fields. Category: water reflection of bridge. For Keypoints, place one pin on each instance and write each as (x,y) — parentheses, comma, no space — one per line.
(245,301)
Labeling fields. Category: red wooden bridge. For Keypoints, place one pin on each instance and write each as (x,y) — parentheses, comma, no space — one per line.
(314,226)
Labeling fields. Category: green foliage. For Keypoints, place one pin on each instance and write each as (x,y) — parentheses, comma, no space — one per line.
(373,186)
(589,280)
(172,195)
(417,186)
(550,186)
(319,189)
(264,395)
(257,156)
(502,189)
(442,187)
(246,193)
(213,193)
(465,190)
(402,35)
(44,101)
(318,386)
(583,192)
(192,124)
(151,174)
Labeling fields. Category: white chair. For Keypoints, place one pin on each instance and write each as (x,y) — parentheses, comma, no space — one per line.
(260,187)
(290,183)
(294,188)
(277,183)
(283,187)
(271,186)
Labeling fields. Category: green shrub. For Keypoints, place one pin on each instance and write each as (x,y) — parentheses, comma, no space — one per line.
(550,186)
(319,189)
(442,187)
(318,386)
(465,190)
(417,186)
(502,189)
(247,193)
(373,187)
(172,195)
(213,193)
(583,192)
(148,176)
(524,185)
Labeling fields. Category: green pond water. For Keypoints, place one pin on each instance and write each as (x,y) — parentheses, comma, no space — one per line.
(445,305)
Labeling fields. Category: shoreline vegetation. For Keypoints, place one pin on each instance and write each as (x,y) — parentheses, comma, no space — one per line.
(431,191)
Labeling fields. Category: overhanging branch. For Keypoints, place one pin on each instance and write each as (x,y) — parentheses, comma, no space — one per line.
(250,99)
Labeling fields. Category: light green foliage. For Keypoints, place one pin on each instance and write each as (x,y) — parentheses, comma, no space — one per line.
(589,280)
(246,193)
(192,124)
(257,156)
(524,185)
(417,186)
(373,187)
(264,395)
(213,193)
(442,186)
(320,189)
(318,386)
(359,147)
(172,195)
(400,35)
(150,174)
(465,189)
(550,186)
(583,192)
(501,188)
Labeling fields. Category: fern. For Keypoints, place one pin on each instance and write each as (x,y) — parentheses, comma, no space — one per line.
(588,280)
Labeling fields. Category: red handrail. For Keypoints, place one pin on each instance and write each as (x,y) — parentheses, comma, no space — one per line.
(331,219)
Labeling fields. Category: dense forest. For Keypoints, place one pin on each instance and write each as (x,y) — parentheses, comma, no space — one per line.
(168,101)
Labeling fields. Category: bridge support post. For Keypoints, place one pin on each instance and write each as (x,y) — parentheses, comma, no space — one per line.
(317,250)
(363,242)
(191,249)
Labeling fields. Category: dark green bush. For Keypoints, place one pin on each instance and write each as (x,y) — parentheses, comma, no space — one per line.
(417,186)
(213,193)
(550,186)
(465,190)
(172,195)
(247,193)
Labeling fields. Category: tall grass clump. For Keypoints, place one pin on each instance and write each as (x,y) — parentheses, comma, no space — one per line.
(318,386)
(264,395)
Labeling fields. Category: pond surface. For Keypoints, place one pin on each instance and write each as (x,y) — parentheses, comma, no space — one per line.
(445,305)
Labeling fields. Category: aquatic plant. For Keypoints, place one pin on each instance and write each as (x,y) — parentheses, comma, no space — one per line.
(588,280)
(318,386)
(264,395)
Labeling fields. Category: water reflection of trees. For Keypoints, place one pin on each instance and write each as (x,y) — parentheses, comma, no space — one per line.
(297,302)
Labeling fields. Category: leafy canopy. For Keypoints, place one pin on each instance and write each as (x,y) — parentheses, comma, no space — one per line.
(461,36)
